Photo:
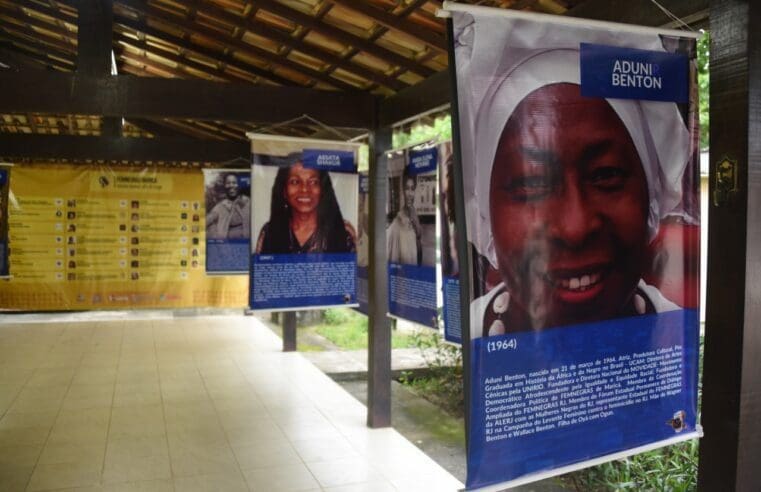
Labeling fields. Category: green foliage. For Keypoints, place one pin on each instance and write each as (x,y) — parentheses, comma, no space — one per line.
(673,468)
(704,84)
(339,316)
(440,130)
(347,329)
(443,385)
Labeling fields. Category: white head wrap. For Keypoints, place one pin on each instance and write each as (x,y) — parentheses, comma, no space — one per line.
(498,79)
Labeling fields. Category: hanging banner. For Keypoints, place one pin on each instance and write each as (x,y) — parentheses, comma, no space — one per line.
(227,194)
(5,177)
(95,237)
(580,172)
(411,234)
(363,242)
(304,220)
(450,269)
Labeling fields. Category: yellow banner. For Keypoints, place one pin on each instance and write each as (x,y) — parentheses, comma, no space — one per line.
(90,237)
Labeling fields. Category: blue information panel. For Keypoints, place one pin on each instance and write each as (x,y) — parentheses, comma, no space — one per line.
(363,242)
(581,200)
(548,399)
(450,271)
(411,235)
(412,293)
(227,196)
(286,281)
(304,223)
(4,188)
(452,321)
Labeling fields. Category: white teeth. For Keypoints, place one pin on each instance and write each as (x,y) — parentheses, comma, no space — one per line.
(579,283)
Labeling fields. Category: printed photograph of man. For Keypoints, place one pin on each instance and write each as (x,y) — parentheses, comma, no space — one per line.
(411,229)
(227,199)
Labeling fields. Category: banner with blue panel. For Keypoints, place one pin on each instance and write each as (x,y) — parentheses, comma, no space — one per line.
(363,242)
(580,179)
(304,219)
(5,177)
(411,234)
(227,197)
(450,270)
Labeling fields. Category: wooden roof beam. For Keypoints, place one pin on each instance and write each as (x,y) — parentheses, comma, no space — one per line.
(396,23)
(120,148)
(150,97)
(295,44)
(39,44)
(173,57)
(200,50)
(342,36)
(58,14)
(642,12)
(142,7)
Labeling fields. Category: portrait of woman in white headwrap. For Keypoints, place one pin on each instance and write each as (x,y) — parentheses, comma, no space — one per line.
(567,192)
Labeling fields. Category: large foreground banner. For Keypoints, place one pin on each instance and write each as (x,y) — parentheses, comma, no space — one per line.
(579,164)
(411,234)
(5,175)
(304,220)
(228,220)
(93,237)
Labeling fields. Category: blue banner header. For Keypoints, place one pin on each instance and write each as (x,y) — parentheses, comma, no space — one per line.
(3,176)
(423,161)
(341,161)
(626,73)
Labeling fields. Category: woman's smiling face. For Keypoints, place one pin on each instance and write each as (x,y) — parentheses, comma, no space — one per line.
(303,189)
(569,204)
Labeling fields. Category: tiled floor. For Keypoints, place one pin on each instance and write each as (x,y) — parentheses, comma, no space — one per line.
(186,404)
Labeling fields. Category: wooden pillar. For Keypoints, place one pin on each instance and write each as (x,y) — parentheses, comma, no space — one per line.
(731,411)
(289,331)
(379,331)
(95,23)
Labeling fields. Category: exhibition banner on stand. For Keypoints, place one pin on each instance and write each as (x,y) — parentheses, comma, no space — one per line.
(450,270)
(5,177)
(363,242)
(579,157)
(411,234)
(99,237)
(227,193)
(304,219)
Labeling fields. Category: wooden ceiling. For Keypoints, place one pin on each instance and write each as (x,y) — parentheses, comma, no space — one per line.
(377,46)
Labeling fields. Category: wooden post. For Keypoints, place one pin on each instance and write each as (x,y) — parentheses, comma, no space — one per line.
(289,331)
(379,332)
(95,23)
(731,412)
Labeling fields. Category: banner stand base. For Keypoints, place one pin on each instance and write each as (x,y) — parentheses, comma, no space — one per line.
(535,477)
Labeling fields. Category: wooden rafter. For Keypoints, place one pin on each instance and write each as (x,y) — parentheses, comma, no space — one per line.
(187,46)
(342,36)
(396,23)
(142,7)
(316,52)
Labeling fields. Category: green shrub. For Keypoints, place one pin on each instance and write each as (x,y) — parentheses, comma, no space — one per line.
(443,385)
(337,316)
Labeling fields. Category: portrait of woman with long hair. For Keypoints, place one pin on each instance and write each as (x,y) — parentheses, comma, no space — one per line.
(305,216)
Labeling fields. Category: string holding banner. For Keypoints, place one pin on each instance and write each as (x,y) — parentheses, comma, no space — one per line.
(341,135)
